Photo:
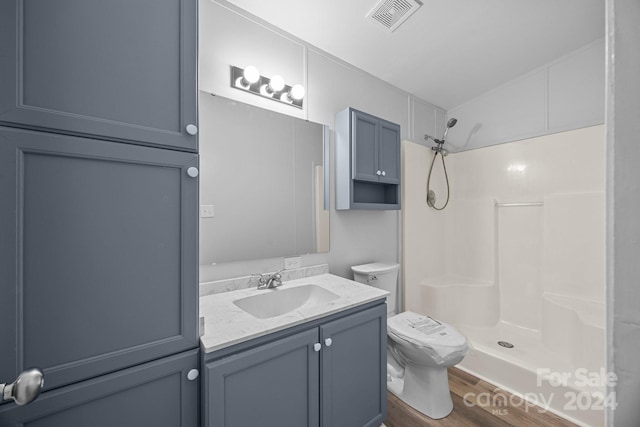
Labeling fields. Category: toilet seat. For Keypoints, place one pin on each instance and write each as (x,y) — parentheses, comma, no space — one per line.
(439,340)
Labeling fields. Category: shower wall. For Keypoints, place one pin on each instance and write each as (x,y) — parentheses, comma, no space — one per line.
(525,218)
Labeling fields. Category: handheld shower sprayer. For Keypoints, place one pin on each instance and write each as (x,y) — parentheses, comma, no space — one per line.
(439,148)
(440,142)
(451,123)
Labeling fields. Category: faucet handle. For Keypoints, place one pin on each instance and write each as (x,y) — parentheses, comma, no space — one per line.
(275,279)
(267,280)
(262,281)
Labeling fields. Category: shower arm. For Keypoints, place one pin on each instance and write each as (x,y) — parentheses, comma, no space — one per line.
(439,148)
(437,141)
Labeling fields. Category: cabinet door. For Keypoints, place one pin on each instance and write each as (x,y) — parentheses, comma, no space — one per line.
(274,385)
(98,255)
(119,69)
(354,370)
(157,394)
(365,153)
(389,148)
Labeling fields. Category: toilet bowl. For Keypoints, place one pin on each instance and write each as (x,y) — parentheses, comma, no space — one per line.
(419,348)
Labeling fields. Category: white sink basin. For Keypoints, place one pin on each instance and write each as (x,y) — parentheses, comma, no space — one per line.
(279,301)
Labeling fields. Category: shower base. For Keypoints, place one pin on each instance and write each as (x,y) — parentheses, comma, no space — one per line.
(559,365)
(533,373)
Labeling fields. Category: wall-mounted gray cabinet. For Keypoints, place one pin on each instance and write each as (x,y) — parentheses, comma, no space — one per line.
(119,69)
(158,394)
(98,255)
(329,373)
(367,161)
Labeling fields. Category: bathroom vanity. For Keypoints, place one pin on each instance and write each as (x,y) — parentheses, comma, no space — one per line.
(322,362)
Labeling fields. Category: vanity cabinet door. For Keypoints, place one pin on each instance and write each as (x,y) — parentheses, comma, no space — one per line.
(119,69)
(276,384)
(354,370)
(98,255)
(158,394)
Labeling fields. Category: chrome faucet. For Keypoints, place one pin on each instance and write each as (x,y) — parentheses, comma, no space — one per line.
(269,281)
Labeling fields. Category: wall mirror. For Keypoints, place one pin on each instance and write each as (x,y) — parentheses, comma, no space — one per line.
(263,183)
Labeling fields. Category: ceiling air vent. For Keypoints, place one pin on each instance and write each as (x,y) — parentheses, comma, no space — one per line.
(391,13)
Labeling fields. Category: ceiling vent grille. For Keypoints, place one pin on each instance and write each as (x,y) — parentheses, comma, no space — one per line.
(391,13)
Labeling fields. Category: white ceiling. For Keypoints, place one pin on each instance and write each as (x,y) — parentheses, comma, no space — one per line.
(449,51)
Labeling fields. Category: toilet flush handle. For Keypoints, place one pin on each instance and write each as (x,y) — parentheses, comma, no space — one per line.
(372,278)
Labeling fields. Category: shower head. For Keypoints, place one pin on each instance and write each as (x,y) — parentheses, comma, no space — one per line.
(451,123)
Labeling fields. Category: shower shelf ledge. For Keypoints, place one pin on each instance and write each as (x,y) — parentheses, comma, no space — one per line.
(518,204)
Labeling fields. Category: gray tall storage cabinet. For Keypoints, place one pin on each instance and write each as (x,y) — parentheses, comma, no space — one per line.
(98,211)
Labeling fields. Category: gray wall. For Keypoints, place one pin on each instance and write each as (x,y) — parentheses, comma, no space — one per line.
(623,205)
(229,36)
(566,94)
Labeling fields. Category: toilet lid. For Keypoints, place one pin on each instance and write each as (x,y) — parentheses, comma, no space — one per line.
(423,331)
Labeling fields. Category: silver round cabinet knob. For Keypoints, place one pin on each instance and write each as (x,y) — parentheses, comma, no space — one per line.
(328,342)
(193,374)
(384,173)
(379,173)
(25,388)
(192,129)
(317,347)
(193,172)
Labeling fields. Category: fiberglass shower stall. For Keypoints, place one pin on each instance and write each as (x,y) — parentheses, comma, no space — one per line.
(516,261)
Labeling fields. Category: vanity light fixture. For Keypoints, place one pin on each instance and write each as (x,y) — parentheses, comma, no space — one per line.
(250,80)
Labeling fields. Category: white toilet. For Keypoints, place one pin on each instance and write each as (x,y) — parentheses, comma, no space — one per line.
(419,348)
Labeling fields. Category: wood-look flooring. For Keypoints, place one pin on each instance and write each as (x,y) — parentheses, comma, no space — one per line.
(480,413)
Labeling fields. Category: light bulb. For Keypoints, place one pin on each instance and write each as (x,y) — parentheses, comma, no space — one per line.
(277,83)
(297,92)
(251,74)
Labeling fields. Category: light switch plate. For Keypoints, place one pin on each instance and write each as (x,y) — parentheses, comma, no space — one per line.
(293,262)
(206,211)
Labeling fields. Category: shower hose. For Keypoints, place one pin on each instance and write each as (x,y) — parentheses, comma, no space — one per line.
(431,202)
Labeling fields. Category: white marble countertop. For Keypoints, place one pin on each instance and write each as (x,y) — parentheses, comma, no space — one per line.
(225,324)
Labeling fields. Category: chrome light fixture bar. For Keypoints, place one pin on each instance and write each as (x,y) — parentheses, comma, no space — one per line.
(250,80)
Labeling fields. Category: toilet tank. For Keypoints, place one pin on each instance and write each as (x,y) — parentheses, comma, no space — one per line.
(381,275)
